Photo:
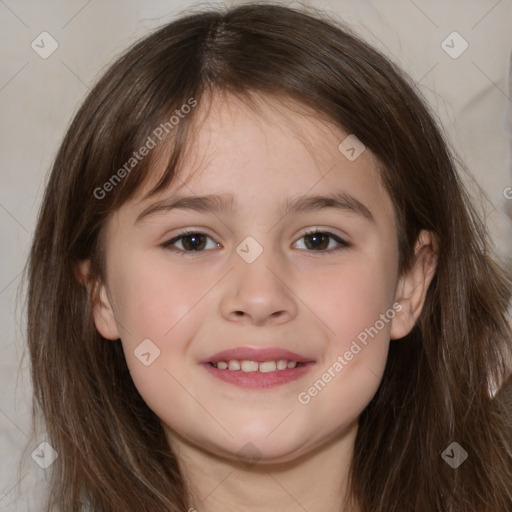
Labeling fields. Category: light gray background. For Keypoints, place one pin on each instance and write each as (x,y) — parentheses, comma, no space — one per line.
(38,98)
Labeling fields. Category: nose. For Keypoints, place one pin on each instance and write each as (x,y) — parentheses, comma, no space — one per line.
(259,293)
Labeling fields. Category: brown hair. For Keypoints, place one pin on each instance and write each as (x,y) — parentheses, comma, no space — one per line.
(113,454)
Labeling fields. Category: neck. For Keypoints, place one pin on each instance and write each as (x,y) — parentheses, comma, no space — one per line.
(315,481)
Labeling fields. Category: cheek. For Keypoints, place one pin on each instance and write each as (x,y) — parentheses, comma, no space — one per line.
(156,303)
(354,302)
(154,296)
(352,298)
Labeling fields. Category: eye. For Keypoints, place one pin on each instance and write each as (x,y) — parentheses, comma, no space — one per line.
(192,241)
(196,241)
(319,241)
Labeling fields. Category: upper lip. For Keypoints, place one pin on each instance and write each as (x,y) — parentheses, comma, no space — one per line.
(256,354)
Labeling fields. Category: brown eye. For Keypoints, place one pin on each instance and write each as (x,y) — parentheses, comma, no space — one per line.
(194,242)
(191,242)
(318,241)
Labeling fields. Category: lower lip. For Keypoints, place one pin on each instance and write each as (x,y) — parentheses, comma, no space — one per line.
(258,380)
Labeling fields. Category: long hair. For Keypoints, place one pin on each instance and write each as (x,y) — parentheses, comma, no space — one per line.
(113,454)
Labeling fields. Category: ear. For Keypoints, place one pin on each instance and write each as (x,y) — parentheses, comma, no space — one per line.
(103,311)
(413,285)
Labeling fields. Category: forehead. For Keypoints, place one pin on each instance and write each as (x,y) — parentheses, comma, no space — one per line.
(266,148)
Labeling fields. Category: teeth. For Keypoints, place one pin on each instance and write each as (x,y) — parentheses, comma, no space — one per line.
(268,366)
(282,364)
(233,365)
(253,366)
(249,366)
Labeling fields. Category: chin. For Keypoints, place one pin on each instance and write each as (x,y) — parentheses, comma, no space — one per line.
(264,452)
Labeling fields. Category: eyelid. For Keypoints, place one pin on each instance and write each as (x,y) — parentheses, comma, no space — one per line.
(340,240)
(319,229)
(342,243)
(183,234)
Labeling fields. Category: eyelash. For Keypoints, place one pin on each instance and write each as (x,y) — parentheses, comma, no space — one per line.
(169,244)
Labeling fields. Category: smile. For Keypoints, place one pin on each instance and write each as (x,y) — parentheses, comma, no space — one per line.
(258,375)
(255,366)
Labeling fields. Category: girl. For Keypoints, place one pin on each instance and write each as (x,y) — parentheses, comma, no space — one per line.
(257,283)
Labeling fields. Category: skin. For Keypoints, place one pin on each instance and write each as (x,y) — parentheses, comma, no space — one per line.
(291,297)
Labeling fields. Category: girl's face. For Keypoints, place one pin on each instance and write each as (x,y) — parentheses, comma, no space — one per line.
(256,280)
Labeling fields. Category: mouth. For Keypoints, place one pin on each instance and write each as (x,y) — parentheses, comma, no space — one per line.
(248,366)
(257,368)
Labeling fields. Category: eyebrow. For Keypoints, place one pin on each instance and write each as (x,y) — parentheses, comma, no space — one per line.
(226,203)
